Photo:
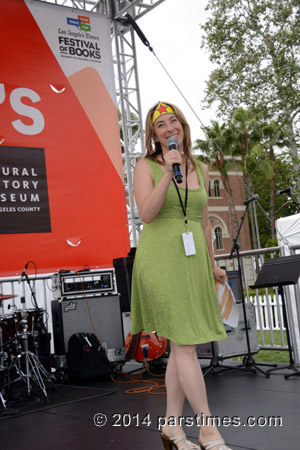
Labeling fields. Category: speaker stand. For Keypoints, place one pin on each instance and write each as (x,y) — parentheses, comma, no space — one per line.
(216,367)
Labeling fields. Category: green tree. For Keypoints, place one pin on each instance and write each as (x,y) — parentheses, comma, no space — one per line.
(248,143)
(218,147)
(255,48)
(283,177)
(273,137)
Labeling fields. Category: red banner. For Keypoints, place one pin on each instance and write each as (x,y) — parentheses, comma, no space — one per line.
(62,199)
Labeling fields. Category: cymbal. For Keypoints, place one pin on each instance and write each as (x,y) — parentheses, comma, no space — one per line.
(6,297)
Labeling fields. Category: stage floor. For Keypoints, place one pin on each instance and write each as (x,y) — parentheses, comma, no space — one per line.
(68,423)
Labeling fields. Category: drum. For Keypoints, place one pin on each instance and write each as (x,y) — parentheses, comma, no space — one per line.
(8,324)
(13,325)
(34,318)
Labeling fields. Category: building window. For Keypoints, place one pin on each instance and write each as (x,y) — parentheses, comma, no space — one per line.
(209,189)
(217,188)
(219,238)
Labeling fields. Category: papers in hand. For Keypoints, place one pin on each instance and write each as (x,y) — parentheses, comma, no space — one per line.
(227,303)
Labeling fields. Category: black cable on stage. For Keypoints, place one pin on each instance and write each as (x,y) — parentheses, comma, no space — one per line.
(146,42)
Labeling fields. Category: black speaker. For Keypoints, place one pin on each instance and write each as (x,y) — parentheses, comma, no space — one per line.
(236,342)
(123,270)
(235,284)
(77,315)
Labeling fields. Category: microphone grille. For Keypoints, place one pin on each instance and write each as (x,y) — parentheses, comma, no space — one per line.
(172,140)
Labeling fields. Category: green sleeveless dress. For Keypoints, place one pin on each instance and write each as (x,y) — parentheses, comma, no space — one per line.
(174,294)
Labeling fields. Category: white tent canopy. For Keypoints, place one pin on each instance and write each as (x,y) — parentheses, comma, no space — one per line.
(288,230)
(288,235)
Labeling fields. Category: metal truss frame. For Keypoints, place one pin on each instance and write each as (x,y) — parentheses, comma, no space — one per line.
(127,86)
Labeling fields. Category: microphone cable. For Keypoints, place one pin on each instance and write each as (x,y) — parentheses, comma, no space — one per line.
(149,385)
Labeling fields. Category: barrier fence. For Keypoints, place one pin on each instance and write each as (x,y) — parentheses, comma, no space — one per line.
(268,305)
(263,305)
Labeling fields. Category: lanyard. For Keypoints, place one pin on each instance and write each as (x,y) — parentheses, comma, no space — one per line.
(179,195)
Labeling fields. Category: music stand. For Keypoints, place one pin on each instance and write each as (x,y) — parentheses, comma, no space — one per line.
(248,361)
(280,272)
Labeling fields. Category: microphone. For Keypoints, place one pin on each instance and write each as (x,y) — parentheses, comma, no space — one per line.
(283,191)
(172,144)
(254,197)
(24,271)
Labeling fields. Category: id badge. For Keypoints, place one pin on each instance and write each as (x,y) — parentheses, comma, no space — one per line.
(188,242)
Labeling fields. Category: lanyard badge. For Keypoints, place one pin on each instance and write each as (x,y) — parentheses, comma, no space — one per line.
(187,237)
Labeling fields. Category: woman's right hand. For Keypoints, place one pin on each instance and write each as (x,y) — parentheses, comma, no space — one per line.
(170,158)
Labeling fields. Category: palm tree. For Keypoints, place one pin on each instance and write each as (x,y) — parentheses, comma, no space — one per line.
(248,143)
(273,134)
(218,147)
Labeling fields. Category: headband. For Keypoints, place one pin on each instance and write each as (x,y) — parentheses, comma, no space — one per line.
(161,109)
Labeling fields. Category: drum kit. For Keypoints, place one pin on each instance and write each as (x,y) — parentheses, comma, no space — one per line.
(19,351)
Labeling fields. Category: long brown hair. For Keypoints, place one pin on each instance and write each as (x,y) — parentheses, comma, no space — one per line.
(154,148)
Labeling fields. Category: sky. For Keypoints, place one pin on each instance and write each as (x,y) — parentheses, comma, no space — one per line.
(173,30)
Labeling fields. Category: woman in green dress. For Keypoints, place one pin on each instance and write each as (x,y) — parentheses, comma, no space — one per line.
(174,273)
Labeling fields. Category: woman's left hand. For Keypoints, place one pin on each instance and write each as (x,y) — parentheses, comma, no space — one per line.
(219,274)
